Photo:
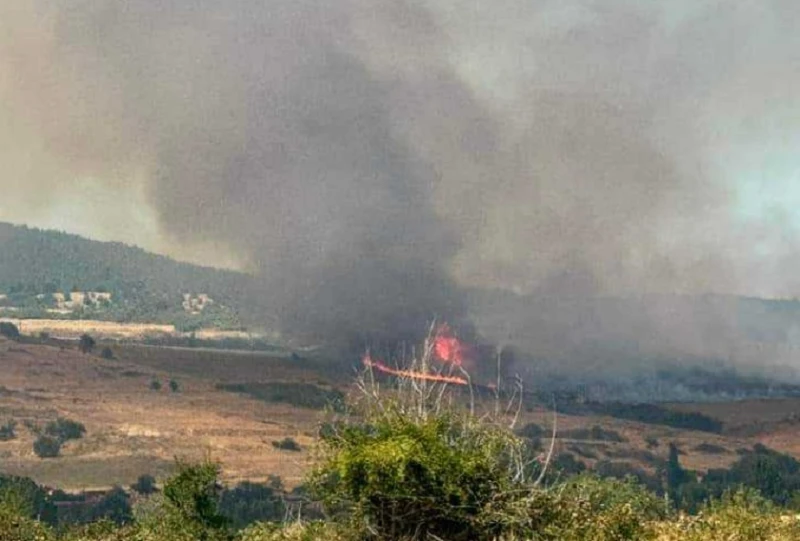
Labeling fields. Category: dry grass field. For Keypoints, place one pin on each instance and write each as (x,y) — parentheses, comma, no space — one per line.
(132,429)
(109,330)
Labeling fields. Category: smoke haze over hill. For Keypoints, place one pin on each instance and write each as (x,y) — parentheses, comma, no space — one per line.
(368,160)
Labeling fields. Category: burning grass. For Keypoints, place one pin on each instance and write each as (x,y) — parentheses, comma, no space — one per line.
(441,346)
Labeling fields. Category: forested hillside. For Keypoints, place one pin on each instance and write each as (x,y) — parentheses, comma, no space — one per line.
(35,264)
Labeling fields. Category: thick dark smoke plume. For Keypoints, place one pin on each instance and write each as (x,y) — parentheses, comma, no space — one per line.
(371,159)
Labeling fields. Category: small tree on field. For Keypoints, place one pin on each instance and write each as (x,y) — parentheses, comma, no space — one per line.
(47,447)
(252,502)
(675,474)
(55,433)
(65,429)
(9,330)
(86,343)
(287,444)
(107,353)
(192,497)
(145,485)
(155,385)
(174,386)
(8,431)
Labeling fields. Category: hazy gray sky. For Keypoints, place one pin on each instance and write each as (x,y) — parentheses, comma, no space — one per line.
(598,146)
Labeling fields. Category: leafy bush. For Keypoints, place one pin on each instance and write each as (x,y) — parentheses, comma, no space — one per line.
(47,447)
(101,530)
(145,485)
(287,444)
(86,343)
(415,465)
(587,507)
(64,429)
(252,502)
(155,385)
(114,507)
(9,330)
(55,434)
(741,515)
(562,466)
(775,475)
(8,431)
(186,510)
(627,470)
(192,501)
(444,475)
(297,531)
(107,353)
(20,528)
(174,386)
(23,497)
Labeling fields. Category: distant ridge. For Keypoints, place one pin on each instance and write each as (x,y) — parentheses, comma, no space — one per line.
(30,254)
(35,261)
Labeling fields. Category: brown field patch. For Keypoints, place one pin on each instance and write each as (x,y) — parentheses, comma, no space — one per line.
(131,429)
(110,330)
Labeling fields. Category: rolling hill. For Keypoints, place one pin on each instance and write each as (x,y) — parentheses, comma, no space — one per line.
(143,287)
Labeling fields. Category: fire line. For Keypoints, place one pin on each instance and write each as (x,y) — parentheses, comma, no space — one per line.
(381,367)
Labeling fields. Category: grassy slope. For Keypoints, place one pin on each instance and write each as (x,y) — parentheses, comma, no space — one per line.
(132,429)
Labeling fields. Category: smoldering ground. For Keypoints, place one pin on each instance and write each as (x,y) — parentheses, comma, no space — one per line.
(370,160)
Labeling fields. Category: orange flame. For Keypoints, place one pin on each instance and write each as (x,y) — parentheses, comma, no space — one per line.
(381,367)
(447,347)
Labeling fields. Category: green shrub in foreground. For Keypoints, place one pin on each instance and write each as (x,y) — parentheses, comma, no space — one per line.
(250,502)
(192,498)
(186,510)
(415,465)
(18,503)
(743,515)
(582,508)
(311,531)
(401,476)
(16,528)
(593,508)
